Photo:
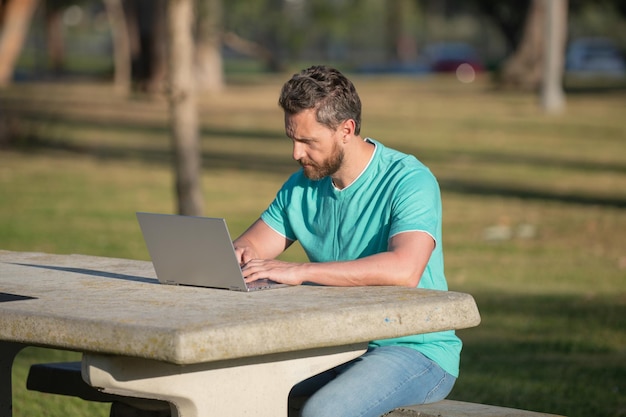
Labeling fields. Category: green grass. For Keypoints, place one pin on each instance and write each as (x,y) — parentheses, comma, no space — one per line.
(553,302)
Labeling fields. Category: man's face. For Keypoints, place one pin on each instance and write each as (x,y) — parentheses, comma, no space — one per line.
(316,147)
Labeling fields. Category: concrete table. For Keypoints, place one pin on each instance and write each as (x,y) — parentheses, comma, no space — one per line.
(207,352)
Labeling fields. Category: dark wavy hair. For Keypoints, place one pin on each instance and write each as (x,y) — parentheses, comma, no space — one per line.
(327,91)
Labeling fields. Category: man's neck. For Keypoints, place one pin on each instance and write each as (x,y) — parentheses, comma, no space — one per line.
(357,157)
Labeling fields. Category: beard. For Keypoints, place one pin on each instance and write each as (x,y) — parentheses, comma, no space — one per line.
(329,166)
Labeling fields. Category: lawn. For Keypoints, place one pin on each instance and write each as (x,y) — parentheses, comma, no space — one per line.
(534,212)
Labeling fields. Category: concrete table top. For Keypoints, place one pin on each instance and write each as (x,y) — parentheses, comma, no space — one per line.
(196,347)
(116,306)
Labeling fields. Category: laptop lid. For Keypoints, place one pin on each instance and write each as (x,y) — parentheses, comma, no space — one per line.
(198,251)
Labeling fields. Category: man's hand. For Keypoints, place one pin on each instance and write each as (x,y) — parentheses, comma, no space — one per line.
(279,271)
(259,242)
(244,254)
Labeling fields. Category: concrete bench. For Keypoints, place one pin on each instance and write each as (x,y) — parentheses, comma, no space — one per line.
(65,379)
(450,408)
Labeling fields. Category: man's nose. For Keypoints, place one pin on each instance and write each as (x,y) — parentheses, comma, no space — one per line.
(298,151)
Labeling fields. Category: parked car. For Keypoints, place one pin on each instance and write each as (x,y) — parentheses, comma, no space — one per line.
(595,57)
(448,56)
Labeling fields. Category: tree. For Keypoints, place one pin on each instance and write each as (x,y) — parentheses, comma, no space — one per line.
(55,43)
(538,61)
(55,39)
(266,39)
(183,106)
(146,28)
(401,46)
(17,15)
(524,68)
(209,45)
(121,46)
(552,96)
(508,16)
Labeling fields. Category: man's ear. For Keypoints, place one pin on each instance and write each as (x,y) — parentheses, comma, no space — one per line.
(347,129)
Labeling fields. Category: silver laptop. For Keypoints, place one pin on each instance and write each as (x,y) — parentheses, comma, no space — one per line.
(197,251)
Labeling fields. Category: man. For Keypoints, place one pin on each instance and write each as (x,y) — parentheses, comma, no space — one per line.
(365,215)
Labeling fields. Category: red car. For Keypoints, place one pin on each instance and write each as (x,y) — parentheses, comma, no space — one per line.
(448,56)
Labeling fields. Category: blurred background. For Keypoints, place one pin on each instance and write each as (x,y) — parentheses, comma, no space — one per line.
(116,106)
(62,38)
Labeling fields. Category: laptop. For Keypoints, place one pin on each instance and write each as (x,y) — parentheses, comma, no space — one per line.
(196,251)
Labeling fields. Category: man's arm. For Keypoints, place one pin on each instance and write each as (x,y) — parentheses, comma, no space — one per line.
(401,265)
(260,242)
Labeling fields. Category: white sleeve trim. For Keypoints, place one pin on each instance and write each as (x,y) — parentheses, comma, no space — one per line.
(415,230)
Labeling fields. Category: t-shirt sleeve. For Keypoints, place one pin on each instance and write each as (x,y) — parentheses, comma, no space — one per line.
(417,204)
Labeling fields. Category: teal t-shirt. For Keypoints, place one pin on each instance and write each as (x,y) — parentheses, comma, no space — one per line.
(395,193)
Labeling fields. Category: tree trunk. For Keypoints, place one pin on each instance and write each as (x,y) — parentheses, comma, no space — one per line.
(121,46)
(17,17)
(401,47)
(524,69)
(552,96)
(209,45)
(183,107)
(271,39)
(158,64)
(146,26)
(54,38)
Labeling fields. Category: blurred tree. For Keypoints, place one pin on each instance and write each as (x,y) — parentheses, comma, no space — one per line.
(615,6)
(508,16)
(54,11)
(523,69)
(400,46)
(274,36)
(145,21)
(121,46)
(290,28)
(183,106)
(520,23)
(537,61)
(16,17)
(209,45)
(330,27)
(54,34)
(262,38)
(295,30)
(555,26)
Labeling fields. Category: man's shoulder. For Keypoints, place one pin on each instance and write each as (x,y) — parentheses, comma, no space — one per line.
(394,159)
(389,153)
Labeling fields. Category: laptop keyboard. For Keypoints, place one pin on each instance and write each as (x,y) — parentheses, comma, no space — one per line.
(262,284)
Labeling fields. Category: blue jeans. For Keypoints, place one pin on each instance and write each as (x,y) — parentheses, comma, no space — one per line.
(375,383)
